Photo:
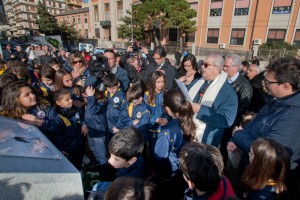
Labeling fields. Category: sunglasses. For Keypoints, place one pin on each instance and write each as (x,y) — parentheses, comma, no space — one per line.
(79,61)
(206,65)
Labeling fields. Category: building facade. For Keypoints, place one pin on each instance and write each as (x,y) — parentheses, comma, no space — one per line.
(22,15)
(79,18)
(231,24)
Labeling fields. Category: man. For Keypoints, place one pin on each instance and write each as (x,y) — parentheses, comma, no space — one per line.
(115,69)
(255,79)
(20,55)
(279,118)
(161,63)
(218,105)
(178,56)
(243,89)
(8,53)
(244,68)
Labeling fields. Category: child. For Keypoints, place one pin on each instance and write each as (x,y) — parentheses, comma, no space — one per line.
(64,79)
(95,117)
(76,128)
(131,188)
(138,110)
(20,101)
(117,117)
(171,139)
(45,87)
(125,149)
(154,99)
(202,167)
(265,175)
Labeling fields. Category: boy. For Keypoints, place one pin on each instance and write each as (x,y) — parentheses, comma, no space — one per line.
(202,167)
(116,114)
(125,149)
(138,110)
(72,143)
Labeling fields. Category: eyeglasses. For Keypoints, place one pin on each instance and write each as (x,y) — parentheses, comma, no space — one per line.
(79,61)
(206,65)
(270,82)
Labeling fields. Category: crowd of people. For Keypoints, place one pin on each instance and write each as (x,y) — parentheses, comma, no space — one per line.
(164,141)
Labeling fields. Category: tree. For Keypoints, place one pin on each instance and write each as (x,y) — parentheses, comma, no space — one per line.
(277,49)
(67,31)
(154,16)
(179,14)
(46,22)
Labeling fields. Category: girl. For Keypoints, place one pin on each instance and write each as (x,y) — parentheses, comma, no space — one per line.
(179,130)
(45,87)
(64,79)
(20,101)
(72,145)
(154,99)
(265,175)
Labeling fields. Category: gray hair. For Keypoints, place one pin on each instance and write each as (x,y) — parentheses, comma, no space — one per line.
(218,60)
(236,60)
(256,67)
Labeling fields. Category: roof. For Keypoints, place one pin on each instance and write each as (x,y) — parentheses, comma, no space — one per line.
(75,11)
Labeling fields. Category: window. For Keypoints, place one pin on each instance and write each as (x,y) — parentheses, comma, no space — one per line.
(73,19)
(276,35)
(216,7)
(173,34)
(237,36)
(282,7)
(85,19)
(119,10)
(79,20)
(212,35)
(241,7)
(96,14)
(297,38)
(86,32)
(97,32)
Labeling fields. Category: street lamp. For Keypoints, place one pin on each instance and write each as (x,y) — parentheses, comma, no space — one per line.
(131,24)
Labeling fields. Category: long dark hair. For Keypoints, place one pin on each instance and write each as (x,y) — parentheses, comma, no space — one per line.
(151,85)
(10,99)
(176,101)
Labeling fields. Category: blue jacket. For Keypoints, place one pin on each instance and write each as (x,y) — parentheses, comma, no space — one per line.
(142,113)
(123,78)
(166,150)
(44,91)
(220,116)
(137,169)
(95,117)
(278,120)
(156,111)
(53,126)
(116,114)
(73,119)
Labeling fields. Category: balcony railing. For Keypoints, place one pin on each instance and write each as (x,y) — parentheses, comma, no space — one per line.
(119,15)
(107,16)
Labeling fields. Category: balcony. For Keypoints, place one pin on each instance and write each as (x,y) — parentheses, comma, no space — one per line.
(30,2)
(30,10)
(19,19)
(74,2)
(105,24)
(7,2)
(19,27)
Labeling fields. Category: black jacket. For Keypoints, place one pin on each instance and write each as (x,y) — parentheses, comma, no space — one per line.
(244,91)
(7,54)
